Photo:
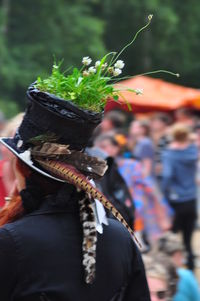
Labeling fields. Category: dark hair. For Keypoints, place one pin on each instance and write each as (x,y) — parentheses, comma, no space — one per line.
(117,118)
(146,127)
(163,117)
(185,111)
(29,199)
(110,137)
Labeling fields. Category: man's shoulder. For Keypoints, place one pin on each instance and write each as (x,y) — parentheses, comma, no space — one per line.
(117,232)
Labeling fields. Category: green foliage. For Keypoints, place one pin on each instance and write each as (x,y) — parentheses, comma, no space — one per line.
(9,107)
(89,92)
(31,32)
(89,87)
(170,43)
(37,30)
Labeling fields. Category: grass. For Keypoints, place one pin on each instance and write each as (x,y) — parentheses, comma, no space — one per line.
(88,92)
(90,87)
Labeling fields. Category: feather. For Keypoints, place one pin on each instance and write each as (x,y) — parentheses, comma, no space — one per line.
(73,176)
(91,166)
(87,218)
(50,150)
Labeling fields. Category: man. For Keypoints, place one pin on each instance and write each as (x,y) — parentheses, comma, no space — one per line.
(159,131)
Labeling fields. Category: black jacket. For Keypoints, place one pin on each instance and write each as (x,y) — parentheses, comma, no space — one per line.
(40,259)
(116,190)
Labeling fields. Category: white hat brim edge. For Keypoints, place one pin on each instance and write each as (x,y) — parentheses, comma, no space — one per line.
(31,165)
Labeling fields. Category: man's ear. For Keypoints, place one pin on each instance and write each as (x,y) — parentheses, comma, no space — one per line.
(20,178)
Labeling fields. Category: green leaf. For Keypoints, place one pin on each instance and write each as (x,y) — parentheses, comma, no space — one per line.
(115,97)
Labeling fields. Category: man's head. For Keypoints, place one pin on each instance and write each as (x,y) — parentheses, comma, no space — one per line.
(108,143)
(113,120)
(171,245)
(161,276)
(180,133)
(159,122)
(139,129)
(185,115)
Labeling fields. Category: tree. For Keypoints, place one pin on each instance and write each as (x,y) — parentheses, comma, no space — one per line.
(37,31)
(31,32)
(170,43)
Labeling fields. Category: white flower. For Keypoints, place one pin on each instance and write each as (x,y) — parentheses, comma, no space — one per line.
(86,60)
(104,66)
(97,64)
(117,71)
(26,156)
(110,69)
(150,17)
(139,91)
(119,64)
(92,70)
(85,73)
(55,66)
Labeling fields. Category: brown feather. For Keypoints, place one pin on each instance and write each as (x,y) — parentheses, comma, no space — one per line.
(91,166)
(74,177)
(50,150)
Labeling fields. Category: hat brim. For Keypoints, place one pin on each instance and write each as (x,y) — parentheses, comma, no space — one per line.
(10,144)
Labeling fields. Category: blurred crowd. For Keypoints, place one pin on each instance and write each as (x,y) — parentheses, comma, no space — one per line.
(152,179)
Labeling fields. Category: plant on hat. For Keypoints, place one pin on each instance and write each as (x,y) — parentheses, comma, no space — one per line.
(90,86)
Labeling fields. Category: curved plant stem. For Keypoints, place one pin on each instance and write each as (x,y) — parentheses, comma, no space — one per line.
(133,40)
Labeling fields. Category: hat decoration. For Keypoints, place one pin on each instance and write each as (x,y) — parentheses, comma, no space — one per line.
(60,166)
(62,112)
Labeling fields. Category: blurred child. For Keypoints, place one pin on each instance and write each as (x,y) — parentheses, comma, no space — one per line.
(161,276)
(187,287)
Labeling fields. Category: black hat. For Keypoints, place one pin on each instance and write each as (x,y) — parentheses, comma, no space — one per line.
(48,115)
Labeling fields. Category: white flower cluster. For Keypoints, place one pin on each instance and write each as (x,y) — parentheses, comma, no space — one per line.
(86,60)
(115,71)
(139,91)
(118,66)
(91,70)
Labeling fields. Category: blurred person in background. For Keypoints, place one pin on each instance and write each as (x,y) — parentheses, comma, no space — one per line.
(197,132)
(161,276)
(143,149)
(150,216)
(185,116)
(197,141)
(159,132)
(113,120)
(156,207)
(7,177)
(113,184)
(187,286)
(179,184)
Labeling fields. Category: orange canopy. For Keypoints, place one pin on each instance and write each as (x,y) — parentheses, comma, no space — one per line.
(158,95)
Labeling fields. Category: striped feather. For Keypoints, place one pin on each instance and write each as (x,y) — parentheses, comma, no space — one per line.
(73,176)
(91,166)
